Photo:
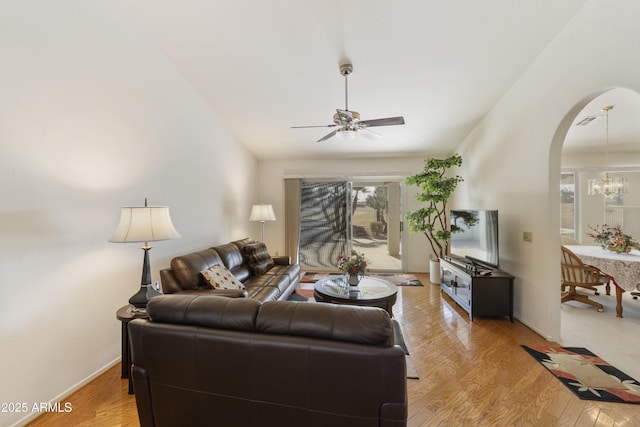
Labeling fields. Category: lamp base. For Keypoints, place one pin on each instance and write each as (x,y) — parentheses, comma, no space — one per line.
(140,299)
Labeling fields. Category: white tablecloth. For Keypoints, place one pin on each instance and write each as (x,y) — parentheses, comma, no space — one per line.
(625,268)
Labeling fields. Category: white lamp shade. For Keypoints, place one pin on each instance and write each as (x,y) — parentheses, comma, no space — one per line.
(262,213)
(144,224)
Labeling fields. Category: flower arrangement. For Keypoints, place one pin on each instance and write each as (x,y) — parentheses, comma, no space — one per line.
(353,264)
(613,238)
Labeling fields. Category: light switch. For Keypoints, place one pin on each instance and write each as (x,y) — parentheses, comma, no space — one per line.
(527,236)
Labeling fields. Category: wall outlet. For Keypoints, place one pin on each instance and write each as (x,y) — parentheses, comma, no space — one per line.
(527,236)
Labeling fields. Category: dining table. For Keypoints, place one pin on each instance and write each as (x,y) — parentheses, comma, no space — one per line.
(623,268)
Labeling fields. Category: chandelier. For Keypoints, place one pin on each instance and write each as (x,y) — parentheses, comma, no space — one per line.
(606,185)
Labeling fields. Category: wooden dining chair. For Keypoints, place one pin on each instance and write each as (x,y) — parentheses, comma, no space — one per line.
(576,274)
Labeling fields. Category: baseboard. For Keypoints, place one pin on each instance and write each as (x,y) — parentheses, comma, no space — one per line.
(542,334)
(68,392)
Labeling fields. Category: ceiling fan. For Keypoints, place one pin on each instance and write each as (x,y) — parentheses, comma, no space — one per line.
(348,122)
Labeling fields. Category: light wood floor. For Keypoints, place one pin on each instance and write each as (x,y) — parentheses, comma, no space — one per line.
(471,374)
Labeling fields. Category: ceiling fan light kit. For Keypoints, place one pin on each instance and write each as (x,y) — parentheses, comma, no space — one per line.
(346,135)
(348,122)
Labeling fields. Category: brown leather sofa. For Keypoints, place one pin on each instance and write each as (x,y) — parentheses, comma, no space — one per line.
(216,361)
(277,283)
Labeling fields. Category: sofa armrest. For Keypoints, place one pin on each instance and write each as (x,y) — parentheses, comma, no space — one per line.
(169,281)
(282,260)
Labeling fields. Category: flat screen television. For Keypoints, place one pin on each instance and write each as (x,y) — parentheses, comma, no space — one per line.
(474,236)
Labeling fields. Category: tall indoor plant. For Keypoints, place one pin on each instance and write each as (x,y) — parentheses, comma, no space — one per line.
(436,188)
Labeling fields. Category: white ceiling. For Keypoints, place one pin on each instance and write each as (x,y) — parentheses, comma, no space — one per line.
(265,66)
(624,126)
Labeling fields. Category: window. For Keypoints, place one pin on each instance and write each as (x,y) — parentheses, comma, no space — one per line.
(568,209)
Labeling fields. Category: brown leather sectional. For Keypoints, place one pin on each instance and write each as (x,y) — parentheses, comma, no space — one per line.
(184,277)
(210,360)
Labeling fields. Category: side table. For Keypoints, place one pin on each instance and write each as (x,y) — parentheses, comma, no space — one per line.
(125,315)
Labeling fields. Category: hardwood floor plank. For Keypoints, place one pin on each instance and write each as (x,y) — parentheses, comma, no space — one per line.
(471,373)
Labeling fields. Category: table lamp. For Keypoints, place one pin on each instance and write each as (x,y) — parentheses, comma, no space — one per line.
(144,224)
(262,213)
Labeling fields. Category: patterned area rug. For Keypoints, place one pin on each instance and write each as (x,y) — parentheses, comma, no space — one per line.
(297,297)
(396,279)
(587,375)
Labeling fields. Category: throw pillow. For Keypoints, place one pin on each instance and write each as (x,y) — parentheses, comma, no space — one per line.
(257,257)
(220,277)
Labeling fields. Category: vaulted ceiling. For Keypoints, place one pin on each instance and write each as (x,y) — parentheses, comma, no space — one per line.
(265,66)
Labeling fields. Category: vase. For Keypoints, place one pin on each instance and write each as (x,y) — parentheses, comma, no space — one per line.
(354,279)
(434,271)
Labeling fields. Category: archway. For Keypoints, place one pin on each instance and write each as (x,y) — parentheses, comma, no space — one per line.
(589,106)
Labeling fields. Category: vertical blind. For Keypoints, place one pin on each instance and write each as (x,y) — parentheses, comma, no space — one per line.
(325,229)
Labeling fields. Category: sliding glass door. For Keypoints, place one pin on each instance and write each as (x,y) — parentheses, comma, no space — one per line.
(325,224)
(336,217)
(375,210)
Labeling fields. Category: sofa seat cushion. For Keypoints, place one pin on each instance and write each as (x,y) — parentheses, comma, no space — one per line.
(263,293)
(281,282)
(292,271)
(257,257)
(219,277)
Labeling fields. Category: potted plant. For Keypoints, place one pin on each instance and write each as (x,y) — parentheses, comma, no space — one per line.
(431,220)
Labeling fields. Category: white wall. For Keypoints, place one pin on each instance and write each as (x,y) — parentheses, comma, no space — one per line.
(93,117)
(512,159)
(416,252)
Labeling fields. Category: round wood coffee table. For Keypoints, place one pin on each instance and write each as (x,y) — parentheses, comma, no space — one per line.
(371,292)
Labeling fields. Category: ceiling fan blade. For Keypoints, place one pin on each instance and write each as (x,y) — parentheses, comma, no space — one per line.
(321,126)
(389,121)
(324,138)
(370,133)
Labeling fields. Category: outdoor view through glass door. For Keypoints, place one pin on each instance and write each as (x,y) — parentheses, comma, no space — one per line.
(336,217)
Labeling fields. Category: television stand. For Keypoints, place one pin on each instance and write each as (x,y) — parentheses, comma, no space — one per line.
(482,292)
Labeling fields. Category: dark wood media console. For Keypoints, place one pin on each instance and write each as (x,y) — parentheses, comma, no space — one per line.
(485,293)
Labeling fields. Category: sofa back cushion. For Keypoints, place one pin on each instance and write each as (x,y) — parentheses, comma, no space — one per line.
(187,268)
(257,258)
(232,259)
(209,311)
(362,325)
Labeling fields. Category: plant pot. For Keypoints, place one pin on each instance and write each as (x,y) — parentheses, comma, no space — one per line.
(434,271)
